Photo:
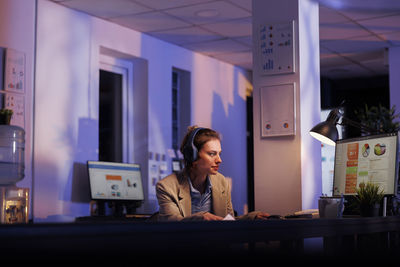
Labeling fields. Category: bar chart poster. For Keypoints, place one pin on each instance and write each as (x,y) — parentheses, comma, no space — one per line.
(14,79)
(276,48)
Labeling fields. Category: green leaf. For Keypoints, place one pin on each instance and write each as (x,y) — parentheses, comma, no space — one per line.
(379,117)
(369,193)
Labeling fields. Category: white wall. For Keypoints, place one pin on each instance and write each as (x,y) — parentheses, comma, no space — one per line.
(68,49)
(310,102)
(17,31)
(287,169)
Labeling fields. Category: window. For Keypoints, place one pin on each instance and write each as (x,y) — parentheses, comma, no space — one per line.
(115,110)
(181,105)
(175,110)
(110,116)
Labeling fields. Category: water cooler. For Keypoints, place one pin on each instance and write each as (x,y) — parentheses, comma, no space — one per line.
(14,201)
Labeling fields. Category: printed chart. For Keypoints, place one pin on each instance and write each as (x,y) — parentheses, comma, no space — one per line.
(276,48)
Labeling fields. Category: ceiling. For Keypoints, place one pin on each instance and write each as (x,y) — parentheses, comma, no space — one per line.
(353,38)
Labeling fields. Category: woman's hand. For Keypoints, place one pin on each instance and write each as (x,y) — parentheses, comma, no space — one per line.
(211,217)
(262,216)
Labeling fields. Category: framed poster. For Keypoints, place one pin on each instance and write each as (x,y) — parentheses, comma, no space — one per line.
(14,74)
(276,48)
(278,110)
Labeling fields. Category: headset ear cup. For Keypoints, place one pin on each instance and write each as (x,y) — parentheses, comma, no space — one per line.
(195,153)
(190,151)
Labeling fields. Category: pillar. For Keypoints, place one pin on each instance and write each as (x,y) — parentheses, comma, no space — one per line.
(287,164)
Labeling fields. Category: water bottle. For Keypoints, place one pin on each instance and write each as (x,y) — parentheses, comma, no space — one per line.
(12,149)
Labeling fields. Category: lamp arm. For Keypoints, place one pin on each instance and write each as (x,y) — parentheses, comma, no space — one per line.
(357,125)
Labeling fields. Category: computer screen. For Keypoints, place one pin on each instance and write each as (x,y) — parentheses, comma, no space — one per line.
(366,159)
(115,181)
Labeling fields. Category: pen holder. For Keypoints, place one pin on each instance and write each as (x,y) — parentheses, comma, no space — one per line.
(330,207)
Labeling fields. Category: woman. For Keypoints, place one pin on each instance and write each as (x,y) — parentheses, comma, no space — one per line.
(199,192)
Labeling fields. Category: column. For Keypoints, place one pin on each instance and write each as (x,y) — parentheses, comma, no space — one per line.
(287,161)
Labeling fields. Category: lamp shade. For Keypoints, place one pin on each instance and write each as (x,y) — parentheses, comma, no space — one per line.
(326,131)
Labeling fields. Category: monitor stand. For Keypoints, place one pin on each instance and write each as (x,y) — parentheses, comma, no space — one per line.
(120,211)
(122,208)
(131,206)
(117,209)
(101,207)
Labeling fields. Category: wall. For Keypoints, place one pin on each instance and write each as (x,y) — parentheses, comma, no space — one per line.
(287,169)
(68,50)
(17,31)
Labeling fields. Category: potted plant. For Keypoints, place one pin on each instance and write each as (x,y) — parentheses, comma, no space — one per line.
(5,116)
(369,197)
(379,118)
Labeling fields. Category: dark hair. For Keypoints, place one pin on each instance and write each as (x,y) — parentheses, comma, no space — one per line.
(202,136)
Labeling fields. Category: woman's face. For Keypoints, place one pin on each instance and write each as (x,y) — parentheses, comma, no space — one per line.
(209,157)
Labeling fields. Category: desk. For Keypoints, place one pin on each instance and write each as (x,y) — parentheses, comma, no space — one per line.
(233,239)
(113,219)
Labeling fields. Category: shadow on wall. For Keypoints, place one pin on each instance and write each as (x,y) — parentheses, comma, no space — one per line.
(49,206)
(43,204)
(232,127)
(77,189)
(80,189)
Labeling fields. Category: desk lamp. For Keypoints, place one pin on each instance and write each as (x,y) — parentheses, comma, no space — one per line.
(326,131)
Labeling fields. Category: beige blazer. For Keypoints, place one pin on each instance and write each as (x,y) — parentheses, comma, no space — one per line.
(175,204)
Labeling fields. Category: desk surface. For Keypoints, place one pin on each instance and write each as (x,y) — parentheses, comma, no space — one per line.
(158,237)
(254,230)
(113,219)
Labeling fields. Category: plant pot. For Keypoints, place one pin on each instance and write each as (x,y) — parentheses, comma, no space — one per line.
(5,119)
(369,210)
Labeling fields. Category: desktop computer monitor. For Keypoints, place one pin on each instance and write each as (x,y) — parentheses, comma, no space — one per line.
(366,159)
(111,181)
